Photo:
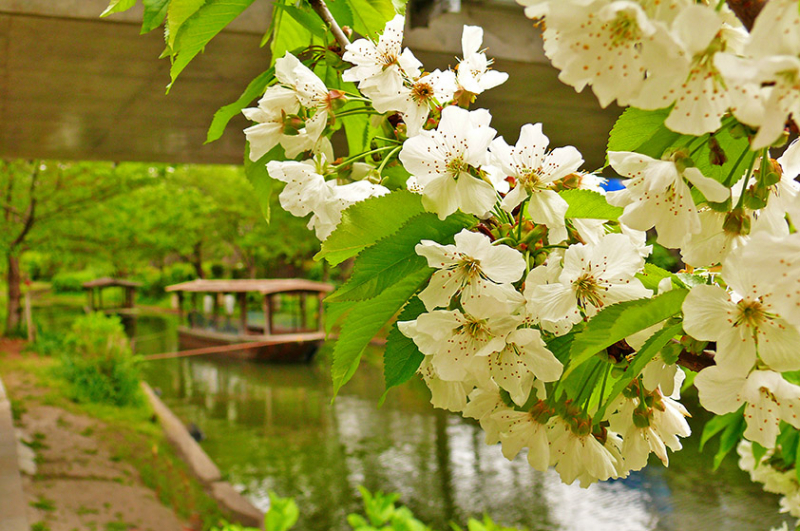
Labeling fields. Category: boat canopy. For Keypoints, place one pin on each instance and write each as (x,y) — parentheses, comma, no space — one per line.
(264,286)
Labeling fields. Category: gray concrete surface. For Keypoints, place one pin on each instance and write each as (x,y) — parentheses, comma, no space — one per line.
(12,499)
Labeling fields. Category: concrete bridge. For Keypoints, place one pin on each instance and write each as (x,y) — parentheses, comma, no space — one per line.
(74,86)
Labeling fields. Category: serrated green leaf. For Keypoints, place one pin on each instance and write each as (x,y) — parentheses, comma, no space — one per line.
(368,221)
(199,29)
(365,319)
(787,442)
(371,16)
(154,13)
(643,132)
(256,173)
(306,18)
(730,438)
(255,89)
(648,351)
(334,311)
(394,257)
(357,129)
(179,12)
(618,321)
(589,204)
(716,425)
(117,6)
(653,275)
(402,358)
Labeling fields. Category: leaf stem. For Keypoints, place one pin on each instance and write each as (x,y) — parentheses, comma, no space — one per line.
(387,158)
(746,180)
(354,158)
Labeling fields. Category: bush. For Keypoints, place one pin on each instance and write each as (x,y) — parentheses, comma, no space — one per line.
(154,281)
(98,362)
(72,281)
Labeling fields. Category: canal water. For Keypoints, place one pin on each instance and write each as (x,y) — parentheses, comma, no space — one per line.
(276,428)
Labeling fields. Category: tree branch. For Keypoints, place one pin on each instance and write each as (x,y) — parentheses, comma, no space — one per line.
(324,13)
(747,10)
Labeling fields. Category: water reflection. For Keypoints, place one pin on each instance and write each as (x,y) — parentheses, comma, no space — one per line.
(274,428)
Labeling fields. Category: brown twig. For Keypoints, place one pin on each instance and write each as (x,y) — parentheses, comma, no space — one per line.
(322,10)
(747,10)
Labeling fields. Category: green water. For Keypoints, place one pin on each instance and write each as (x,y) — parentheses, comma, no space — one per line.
(274,428)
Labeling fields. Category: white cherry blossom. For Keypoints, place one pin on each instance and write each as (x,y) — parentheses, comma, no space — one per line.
(769,398)
(593,277)
(375,62)
(744,322)
(657,196)
(535,170)
(479,271)
(446,162)
(524,357)
(444,394)
(474,73)
(525,429)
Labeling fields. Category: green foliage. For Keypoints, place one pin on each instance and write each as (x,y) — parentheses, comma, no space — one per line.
(732,427)
(179,12)
(198,29)
(366,222)
(589,204)
(72,281)
(402,358)
(394,257)
(365,319)
(644,132)
(282,513)
(648,351)
(155,11)
(618,321)
(255,89)
(653,274)
(118,6)
(370,16)
(98,362)
(259,178)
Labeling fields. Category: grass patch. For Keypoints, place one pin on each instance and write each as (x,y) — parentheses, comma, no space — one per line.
(133,434)
(44,504)
(40,526)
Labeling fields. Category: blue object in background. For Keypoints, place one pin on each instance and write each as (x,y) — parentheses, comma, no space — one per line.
(613,184)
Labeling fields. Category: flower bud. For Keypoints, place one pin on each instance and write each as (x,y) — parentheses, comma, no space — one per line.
(737,222)
(292,124)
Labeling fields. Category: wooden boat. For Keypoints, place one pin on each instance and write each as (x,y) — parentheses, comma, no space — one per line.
(288,329)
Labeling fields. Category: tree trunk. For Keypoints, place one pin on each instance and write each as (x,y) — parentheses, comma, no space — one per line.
(14,307)
(197,260)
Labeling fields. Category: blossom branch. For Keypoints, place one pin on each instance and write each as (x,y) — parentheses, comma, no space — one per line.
(322,10)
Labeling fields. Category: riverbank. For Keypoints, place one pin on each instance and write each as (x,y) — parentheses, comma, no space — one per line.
(96,467)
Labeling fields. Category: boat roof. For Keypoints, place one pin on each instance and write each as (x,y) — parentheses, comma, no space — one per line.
(106,282)
(264,286)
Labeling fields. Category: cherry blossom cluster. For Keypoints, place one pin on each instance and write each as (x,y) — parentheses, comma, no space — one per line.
(528,273)
(764,470)
(693,56)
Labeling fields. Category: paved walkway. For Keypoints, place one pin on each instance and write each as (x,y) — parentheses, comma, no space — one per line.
(12,500)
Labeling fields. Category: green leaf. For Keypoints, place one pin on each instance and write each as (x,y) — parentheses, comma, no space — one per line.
(179,12)
(717,424)
(118,6)
(282,515)
(653,275)
(787,442)
(402,358)
(618,321)
(306,18)
(394,257)
(643,132)
(255,89)
(730,438)
(334,312)
(364,321)
(357,128)
(648,351)
(371,16)
(368,221)
(589,204)
(287,34)
(341,12)
(256,173)
(154,13)
(200,28)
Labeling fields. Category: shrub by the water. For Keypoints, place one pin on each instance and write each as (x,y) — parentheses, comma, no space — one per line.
(98,362)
